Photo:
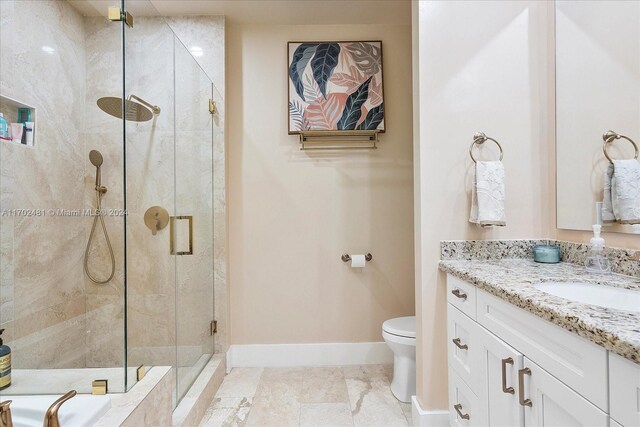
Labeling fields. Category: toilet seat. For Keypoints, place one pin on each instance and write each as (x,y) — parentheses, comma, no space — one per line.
(401,326)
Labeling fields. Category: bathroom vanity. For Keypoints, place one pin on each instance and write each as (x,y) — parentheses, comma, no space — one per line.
(518,355)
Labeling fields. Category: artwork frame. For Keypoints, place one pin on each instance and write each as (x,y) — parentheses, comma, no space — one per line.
(339,78)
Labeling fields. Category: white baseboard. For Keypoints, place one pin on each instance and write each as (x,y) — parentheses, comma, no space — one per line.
(329,354)
(422,418)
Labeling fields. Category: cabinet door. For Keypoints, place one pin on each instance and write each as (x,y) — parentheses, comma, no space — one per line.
(465,409)
(624,390)
(553,404)
(499,389)
(463,348)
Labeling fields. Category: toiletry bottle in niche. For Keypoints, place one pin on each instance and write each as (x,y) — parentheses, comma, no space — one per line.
(23,141)
(5,364)
(4,128)
(28,130)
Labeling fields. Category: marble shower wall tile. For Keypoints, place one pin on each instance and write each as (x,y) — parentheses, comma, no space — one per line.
(41,293)
(208,33)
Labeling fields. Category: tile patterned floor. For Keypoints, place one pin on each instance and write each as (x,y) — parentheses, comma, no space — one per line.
(328,397)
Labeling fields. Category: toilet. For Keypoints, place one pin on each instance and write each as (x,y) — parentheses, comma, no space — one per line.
(400,336)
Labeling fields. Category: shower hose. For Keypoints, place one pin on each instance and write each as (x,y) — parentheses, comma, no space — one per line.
(100,217)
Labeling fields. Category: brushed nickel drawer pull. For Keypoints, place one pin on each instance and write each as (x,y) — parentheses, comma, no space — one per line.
(458,408)
(521,374)
(458,344)
(505,389)
(459,294)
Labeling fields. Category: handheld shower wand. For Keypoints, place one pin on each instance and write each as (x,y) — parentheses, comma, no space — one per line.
(96,159)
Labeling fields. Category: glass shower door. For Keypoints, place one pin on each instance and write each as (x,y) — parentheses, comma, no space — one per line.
(150,187)
(169,167)
(193,225)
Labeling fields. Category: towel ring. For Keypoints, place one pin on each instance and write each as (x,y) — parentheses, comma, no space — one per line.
(480,138)
(611,136)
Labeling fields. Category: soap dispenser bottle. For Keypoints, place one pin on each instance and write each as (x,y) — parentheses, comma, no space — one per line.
(5,364)
(596,261)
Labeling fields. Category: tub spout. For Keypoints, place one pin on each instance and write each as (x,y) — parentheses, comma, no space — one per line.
(5,414)
(51,416)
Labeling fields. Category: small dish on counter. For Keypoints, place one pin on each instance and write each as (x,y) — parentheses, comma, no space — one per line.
(547,254)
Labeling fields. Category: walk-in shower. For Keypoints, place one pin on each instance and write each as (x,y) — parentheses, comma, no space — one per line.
(87,291)
(96,159)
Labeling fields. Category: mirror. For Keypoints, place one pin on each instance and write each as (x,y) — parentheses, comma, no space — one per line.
(597,90)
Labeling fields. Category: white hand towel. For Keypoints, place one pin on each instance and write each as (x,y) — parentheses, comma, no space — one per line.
(607,206)
(488,195)
(622,192)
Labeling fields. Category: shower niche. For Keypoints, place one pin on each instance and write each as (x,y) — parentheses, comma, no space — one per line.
(18,113)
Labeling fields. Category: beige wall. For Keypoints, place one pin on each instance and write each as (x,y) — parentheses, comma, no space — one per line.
(482,67)
(293,213)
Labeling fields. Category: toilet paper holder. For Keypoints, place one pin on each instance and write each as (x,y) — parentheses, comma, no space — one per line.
(347,257)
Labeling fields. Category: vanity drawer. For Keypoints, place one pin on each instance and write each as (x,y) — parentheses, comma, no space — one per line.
(464,350)
(462,295)
(465,409)
(577,362)
(624,386)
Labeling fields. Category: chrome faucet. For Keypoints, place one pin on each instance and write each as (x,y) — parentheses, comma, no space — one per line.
(51,416)
(5,414)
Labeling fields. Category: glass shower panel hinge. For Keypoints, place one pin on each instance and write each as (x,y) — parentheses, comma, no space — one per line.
(116,14)
(214,327)
(141,372)
(99,387)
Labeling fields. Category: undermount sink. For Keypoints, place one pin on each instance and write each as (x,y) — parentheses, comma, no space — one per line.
(588,293)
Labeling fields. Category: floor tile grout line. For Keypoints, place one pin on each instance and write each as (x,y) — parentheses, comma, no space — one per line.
(344,377)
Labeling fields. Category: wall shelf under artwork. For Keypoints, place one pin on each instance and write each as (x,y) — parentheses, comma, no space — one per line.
(339,140)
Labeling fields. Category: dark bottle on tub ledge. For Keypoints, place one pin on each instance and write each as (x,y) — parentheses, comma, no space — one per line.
(5,364)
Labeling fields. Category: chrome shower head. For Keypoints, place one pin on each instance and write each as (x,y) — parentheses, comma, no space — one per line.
(136,111)
(95,157)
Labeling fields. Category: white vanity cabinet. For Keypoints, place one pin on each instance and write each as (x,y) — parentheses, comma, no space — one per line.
(553,403)
(624,381)
(498,387)
(508,367)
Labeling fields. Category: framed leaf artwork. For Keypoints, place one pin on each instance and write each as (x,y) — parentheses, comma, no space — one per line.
(335,86)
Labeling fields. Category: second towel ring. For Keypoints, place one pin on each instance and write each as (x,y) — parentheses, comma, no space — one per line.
(480,138)
(611,136)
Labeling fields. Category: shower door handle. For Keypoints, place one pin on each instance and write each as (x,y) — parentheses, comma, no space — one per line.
(172,239)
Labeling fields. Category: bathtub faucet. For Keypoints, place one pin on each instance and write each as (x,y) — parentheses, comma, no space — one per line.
(51,416)
(5,414)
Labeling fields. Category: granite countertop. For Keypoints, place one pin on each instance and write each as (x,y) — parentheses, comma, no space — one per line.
(513,279)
